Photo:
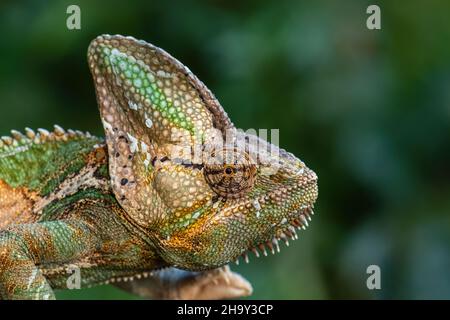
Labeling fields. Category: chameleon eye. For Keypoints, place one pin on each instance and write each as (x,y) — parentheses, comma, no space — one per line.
(233,178)
(228,170)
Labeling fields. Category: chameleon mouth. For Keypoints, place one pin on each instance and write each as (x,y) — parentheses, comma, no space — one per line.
(297,221)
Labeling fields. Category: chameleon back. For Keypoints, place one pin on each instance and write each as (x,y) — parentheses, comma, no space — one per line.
(57,165)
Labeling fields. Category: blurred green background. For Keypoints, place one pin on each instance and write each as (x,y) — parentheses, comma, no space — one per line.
(368,110)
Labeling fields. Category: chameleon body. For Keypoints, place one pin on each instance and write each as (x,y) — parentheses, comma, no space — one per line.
(169,187)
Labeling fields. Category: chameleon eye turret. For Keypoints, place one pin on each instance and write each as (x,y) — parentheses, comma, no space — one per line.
(230,173)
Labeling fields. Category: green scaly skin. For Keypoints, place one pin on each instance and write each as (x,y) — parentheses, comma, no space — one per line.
(147,196)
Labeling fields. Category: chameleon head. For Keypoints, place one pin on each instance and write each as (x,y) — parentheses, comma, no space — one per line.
(204,202)
(239,200)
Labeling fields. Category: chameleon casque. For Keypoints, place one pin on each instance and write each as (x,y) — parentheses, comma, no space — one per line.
(169,188)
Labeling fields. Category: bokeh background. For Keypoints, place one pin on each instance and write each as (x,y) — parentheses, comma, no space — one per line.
(368,110)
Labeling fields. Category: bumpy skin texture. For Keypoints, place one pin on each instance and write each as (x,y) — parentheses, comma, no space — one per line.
(170,186)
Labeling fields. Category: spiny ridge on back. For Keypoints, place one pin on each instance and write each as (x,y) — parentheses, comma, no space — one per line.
(18,138)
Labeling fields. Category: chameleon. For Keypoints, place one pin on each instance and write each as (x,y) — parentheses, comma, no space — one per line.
(169,197)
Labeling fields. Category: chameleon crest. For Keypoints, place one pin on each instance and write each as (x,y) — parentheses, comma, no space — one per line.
(173,185)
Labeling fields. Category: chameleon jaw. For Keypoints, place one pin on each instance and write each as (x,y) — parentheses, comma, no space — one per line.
(298,221)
